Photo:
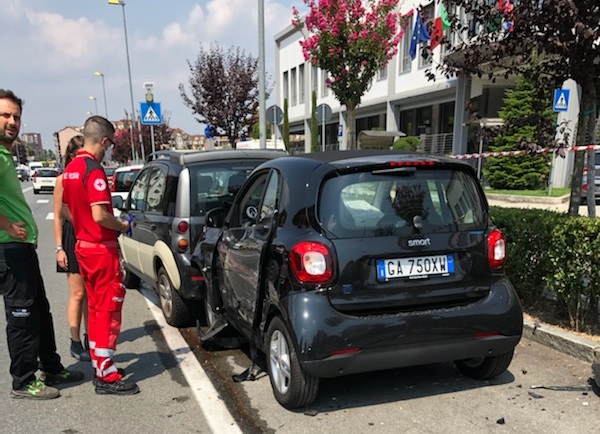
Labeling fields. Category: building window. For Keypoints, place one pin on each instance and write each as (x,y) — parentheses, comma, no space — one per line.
(424,55)
(286,86)
(404,60)
(301,84)
(424,120)
(382,74)
(407,122)
(294,87)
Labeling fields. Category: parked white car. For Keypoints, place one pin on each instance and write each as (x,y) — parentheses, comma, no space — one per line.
(120,182)
(44,179)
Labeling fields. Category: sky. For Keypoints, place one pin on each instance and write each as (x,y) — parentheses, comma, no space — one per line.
(51,49)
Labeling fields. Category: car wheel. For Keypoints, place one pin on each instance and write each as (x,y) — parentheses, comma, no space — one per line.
(174,308)
(130,280)
(292,386)
(485,368)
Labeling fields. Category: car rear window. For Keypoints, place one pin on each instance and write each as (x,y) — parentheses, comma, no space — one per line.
(46,173)
(423,201)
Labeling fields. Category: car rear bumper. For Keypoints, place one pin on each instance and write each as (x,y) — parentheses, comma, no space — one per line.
(331,344)
(192,280)
(43,187)
(418,354)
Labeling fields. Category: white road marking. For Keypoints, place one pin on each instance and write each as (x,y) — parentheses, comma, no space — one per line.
(43,200)
(50,216)
(216,413)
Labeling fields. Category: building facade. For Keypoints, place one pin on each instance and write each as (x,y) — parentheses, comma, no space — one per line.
(445,113)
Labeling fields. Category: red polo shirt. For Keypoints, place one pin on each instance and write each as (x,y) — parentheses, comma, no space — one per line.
(85,184)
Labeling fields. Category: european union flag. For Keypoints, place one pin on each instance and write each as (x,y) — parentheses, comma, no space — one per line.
(420,34)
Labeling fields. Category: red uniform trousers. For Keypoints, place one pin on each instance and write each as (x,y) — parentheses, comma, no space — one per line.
(99,266)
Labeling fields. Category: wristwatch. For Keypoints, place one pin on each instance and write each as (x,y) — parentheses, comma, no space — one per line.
(59,248)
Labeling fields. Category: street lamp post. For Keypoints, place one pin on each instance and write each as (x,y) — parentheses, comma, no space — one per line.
(122,3)
(262,106)
(99,74)
(95,104)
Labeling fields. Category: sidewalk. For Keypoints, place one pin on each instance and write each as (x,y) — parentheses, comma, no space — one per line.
(558,204)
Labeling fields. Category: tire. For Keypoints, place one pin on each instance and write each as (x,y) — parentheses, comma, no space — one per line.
(130,280)
(485,368)
(292,386)
(175,309)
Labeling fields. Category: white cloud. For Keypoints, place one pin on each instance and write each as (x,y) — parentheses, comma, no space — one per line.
(55,47)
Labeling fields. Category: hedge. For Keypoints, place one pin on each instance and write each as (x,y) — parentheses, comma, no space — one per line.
(553,252)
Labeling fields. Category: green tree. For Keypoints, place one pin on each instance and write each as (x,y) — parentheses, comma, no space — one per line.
(19,150)
(256,131)
(314,124)
(528,116)
(352,40)
(285,130)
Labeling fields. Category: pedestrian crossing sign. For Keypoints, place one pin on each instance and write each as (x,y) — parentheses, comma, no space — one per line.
(151,114)
(561,100)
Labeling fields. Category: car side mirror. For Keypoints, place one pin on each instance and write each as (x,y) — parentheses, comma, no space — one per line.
(117,202)
(215,218)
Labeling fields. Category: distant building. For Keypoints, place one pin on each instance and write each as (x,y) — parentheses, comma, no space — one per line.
(33,140)
(62,137)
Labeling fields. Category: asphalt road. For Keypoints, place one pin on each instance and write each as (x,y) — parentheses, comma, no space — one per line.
(186,389)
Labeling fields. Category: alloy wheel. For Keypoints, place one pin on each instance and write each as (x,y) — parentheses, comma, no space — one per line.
(279,355)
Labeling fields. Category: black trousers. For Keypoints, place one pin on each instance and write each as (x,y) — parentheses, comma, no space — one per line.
(29,326)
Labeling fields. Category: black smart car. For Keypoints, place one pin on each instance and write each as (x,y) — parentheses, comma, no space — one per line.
(347,262)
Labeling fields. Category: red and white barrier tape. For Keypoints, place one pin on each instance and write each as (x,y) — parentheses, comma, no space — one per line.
(520,152)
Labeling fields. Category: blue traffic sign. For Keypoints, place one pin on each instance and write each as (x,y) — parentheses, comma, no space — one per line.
(561,100)
(150,113)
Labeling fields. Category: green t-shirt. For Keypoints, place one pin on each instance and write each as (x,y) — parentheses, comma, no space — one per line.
(13,205)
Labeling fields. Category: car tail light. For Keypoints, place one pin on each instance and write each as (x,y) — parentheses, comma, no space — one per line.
(311,262)
(182,227)
(183,244)
(496,250)
(113,183)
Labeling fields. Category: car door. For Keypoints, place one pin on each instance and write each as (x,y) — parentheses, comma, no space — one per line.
(135,206)
(243,245)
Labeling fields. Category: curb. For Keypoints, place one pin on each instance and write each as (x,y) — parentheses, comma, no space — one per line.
(566,342)
(529,199)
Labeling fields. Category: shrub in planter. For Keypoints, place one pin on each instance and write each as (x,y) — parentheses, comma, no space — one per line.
(528,233)
(575,258)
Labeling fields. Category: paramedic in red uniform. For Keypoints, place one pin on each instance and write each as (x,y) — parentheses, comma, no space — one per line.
(87,195)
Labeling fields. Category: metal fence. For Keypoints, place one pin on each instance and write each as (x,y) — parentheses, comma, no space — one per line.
(436,143)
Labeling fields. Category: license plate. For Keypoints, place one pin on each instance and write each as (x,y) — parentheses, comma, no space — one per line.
(422,266)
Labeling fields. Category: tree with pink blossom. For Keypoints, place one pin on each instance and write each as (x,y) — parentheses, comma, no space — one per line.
(352,40)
